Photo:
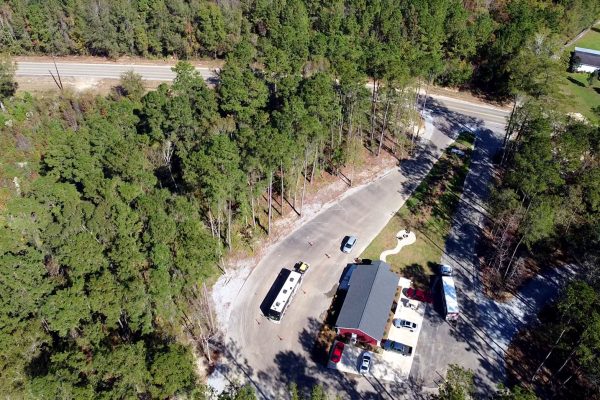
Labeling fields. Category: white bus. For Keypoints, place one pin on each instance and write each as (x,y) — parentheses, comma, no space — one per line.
(284,297)
(450,301)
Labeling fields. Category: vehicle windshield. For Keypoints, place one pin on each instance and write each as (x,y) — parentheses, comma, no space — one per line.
(274,315)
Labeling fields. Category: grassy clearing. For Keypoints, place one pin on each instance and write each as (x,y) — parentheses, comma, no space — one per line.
(590,40)
(579,97)
(428,212)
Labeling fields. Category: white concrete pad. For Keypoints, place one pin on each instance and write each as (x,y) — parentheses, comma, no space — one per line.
(349,361)
(406,336)
(388,367)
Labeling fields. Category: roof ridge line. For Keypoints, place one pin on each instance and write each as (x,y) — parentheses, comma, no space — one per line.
(370,291)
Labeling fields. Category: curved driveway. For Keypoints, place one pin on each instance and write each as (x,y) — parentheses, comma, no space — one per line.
(270,355)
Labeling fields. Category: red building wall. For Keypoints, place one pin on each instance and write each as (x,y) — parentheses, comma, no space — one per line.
(360,335)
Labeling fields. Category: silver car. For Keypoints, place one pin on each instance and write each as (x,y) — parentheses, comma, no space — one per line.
(365,364)
(349,244)
(402,323)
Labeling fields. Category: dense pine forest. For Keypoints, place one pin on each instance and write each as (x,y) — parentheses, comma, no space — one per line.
(450,41)
(116,211)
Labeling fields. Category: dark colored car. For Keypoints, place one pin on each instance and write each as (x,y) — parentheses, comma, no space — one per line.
(446,270)
(397,347)
(336,354)
(345,280)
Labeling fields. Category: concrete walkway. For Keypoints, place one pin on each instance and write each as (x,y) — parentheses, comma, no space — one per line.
(405,238)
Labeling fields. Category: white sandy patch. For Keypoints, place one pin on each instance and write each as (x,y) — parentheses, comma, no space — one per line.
(83,84)
(227,288)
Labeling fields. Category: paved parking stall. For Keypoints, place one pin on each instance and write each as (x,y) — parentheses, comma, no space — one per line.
(412,311)
(389,365)
(383,366)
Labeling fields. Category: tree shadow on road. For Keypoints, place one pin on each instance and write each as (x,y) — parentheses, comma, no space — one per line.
(317,347)
(451,123)
(238,368)
(292,367)
(416,168)
(416,273)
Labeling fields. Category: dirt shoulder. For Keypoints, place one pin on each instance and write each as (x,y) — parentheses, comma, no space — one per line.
(206,63)
(467,96)
(42,85)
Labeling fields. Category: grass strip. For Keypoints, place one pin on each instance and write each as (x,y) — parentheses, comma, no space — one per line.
(428,213)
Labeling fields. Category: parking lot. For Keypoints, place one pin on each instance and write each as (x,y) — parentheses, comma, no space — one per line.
(389,365)
(383,366)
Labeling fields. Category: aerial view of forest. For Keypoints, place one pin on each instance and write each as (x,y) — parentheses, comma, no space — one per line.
(119,211)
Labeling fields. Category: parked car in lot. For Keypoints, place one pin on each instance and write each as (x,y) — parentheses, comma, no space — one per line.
(345,279)
(402,323)
(348,243)
(446,270)
(458,152)
(336,354)
(365,364)
(302,267)
(418,294)
(403,349)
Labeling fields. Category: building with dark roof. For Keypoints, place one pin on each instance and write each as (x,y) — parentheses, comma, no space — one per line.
(585,60)
(371,294)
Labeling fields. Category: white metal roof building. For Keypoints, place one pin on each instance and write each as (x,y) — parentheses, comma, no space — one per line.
(586,60)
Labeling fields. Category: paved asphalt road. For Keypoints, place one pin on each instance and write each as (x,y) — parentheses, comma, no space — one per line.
(440,343)
(102,70)
(483,333)
(273,355)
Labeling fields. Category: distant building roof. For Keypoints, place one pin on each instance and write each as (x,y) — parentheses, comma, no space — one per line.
(369,299)
(587,56)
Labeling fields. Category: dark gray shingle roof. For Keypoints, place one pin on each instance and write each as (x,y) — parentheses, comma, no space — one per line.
(369,299)
(587,56)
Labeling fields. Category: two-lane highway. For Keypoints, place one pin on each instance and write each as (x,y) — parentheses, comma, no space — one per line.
(107,70)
